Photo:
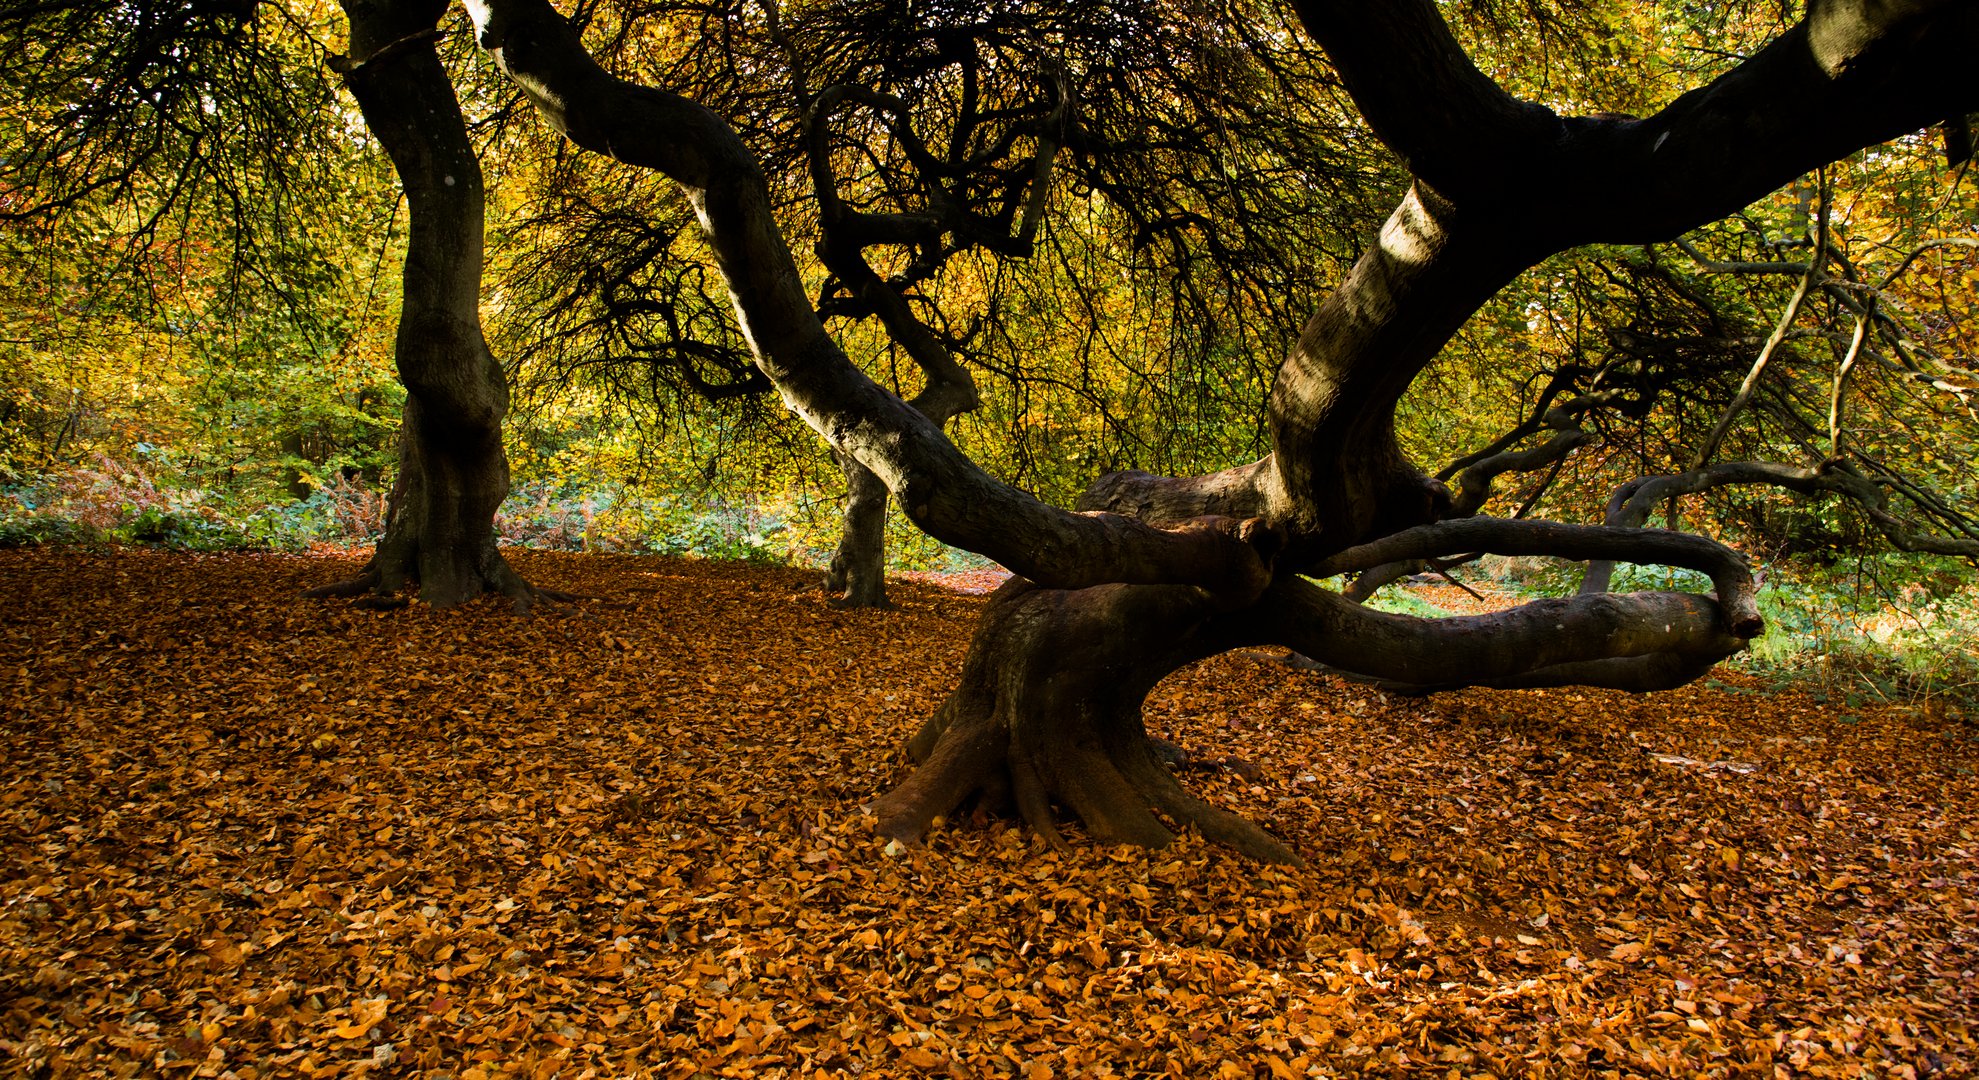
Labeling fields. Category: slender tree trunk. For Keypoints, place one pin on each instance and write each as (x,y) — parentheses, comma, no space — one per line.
(298,487)
(453,472)
(857,574)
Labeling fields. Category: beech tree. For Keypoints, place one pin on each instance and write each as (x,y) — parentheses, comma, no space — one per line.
(1155,572)
(171,109)
(453,471)
(1151,572)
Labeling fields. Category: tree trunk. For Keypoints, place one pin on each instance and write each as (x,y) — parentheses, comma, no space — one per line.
(453,472)
(1048,707)
(857,574)
(297,485)
(1048,710)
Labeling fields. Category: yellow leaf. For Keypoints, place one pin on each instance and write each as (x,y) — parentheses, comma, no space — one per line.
(225,953)
(363,1017)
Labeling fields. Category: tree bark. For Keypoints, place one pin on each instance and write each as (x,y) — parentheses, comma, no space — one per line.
(1048,711)
(453,471)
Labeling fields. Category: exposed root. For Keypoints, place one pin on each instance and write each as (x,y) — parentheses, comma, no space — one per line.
(849,603)
(395,567)
(365,581)
(1213,822)
(1176,756)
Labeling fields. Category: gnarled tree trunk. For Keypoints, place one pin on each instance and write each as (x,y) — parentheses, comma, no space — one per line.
(1048,708)
(453,472)
(1048,713)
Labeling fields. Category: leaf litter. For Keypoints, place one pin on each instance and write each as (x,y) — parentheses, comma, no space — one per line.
(243,834)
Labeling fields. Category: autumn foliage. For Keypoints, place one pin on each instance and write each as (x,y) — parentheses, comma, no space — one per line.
(246,835)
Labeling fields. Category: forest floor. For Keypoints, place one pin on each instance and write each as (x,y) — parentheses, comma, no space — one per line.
(247,834)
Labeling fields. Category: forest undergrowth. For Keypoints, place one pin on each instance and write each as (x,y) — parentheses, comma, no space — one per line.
(246,834)
(1876,629)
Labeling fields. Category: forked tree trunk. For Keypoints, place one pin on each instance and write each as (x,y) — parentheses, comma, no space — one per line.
(453,472)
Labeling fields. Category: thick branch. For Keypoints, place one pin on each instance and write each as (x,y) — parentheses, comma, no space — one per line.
(1637,641)
(1854,73)
(1162,499)
(945,493)
(1729,574)
(1424,96)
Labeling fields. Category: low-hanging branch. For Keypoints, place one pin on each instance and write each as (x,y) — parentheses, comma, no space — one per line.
(945,493)
(1729,574)
(1637,642)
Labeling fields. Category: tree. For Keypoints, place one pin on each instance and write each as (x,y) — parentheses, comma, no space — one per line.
(1155,571)
(165,106)
(453,472)
(1165,570)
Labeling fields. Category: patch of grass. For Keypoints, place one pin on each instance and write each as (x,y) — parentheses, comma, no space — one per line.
(1400,601)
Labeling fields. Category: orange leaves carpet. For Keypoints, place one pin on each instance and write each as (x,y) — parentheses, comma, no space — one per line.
(244,834)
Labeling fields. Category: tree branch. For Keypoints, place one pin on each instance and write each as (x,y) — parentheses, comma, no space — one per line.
(1730,575)
(945,493)
(1637,642)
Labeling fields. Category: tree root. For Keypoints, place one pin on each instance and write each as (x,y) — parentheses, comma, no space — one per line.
(365,581)
(1178,757)
(378,586)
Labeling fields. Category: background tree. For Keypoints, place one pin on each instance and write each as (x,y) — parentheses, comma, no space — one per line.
(166,228)
(168,109)
(453,471)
